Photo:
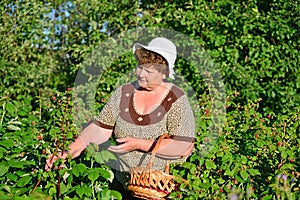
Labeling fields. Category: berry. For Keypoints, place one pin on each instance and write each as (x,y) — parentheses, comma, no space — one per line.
(279,144)
(39,137)
(206,112)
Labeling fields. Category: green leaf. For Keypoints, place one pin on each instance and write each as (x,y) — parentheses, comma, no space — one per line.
(210,165)
(16,164)
(2,150)
(104,156)
(93,175)
(11,176)
(84,191)
(78,169)
(98,158)
(104,173)
(283,154)
(229,172)
(227,158)
(205,185)
(22,113)
(107,155)
(91,150)
(116,194)
(63,188)
(298,84)
(52,191)
(244,174)
(15,122)
(75,171)
(7,143)
(187,165)
(81,167)
(24,181)
(269,197)
(105,194)
(80,191)
(254,172)
(13,128)
(289,166)
(10,108)
(3,169)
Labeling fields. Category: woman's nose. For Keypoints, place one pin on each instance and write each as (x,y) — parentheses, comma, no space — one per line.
(141,72)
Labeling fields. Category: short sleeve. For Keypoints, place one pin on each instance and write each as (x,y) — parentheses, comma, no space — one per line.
(108,115)
(181,120)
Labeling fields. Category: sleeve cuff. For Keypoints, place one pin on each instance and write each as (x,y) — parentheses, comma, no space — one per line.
(102,125)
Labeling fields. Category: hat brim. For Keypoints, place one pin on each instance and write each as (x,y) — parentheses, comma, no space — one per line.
(159,51)
(154,49)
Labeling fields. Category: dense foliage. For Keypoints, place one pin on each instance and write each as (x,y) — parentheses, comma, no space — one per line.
(255,44)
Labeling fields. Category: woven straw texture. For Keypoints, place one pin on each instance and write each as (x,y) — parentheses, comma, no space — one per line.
(146,183)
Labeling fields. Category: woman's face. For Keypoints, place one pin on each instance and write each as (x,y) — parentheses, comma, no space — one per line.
(148,76)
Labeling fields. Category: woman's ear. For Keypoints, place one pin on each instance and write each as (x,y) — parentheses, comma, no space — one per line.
(164,76)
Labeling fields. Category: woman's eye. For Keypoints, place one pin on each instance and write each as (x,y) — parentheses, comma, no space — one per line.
(142,68)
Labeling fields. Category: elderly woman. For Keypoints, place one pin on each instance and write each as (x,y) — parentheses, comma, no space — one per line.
(139,112)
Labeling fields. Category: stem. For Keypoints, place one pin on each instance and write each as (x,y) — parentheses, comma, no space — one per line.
(37,184)
(284,129)
(40,101)
(2,114)
(63,145)
(58,185)
(93,190)
(55,151)
(52,157)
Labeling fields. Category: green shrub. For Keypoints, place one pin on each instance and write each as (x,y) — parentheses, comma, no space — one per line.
(255,44)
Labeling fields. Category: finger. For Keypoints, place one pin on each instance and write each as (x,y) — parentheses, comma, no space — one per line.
(48,166)
(49,162)
(117,149)
(122,140)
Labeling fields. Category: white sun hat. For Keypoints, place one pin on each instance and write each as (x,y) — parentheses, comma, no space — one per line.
(163,47)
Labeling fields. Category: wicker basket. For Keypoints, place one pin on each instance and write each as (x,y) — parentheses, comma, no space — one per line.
(146,183)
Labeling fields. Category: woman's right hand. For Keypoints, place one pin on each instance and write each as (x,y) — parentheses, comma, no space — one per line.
(92,133)
(52,158)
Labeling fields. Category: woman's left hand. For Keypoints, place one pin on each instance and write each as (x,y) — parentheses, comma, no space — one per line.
(126,144)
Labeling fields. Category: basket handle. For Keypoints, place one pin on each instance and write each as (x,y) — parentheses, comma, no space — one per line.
(155,149)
